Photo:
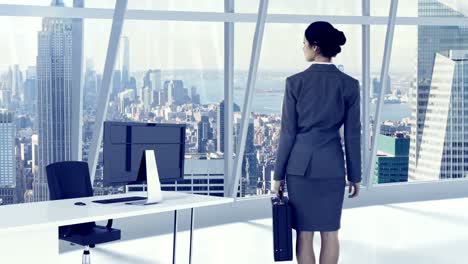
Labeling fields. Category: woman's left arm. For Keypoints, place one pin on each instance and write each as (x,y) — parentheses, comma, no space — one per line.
(287,132)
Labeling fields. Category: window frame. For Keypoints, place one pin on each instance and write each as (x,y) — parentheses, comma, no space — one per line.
(389,192)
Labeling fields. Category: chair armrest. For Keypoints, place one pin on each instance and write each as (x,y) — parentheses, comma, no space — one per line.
(109,223)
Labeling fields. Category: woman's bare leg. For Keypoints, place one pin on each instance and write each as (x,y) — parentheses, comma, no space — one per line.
(330,250)
(305,248)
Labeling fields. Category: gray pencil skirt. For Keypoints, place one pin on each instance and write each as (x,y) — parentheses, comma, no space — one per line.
(316,203)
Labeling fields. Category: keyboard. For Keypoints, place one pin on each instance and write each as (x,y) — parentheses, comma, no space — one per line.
(120,200)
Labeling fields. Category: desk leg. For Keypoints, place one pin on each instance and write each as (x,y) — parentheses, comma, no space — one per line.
(174,244)
(191,234)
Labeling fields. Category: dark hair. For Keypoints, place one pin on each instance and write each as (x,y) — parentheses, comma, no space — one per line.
(326,37)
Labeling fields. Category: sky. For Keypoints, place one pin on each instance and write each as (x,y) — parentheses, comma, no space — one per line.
(199,45)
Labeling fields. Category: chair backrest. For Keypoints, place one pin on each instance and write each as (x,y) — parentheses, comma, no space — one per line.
(69,179)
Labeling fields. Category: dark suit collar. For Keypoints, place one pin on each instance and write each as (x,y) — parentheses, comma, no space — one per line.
(322,67)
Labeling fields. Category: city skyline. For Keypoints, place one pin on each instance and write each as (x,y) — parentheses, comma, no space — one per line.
(164,45)
(157,94)
(159,43)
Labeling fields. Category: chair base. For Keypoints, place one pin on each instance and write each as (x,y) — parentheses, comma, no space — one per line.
(99,234)
(86,256)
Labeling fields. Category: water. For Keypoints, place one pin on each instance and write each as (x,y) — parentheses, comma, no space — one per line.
(268,93)
(394,112)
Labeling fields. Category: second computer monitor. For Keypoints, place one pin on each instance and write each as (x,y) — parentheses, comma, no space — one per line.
(124,146)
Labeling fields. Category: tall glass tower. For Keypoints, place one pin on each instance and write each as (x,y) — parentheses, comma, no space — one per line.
(124,57)
(220,125)
(54,82)
(443,40)
(7,150)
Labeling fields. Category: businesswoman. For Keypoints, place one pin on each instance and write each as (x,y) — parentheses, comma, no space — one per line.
(317,102)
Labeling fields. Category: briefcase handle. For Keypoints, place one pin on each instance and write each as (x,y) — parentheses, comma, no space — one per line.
(281,193)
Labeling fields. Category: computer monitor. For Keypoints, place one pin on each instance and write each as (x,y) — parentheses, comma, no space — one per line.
(125,144)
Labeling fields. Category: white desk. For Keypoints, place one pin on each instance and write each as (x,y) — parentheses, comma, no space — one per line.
(29,232)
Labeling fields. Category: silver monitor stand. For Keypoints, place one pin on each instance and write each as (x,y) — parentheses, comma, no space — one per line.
(153,186)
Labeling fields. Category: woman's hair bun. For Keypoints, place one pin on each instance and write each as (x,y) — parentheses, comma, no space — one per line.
(340,38)
(326,37)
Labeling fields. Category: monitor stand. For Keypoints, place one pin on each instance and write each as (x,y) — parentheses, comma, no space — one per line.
(153,186)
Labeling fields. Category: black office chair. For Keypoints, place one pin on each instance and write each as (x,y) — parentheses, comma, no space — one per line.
(70,179)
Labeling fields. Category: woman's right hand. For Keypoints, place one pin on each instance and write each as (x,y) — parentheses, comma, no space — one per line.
(356,186)
(277,187)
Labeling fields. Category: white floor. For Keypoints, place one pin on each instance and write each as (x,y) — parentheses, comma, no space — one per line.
(423,232)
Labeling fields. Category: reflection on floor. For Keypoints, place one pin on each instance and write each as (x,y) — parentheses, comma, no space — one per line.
(422,232)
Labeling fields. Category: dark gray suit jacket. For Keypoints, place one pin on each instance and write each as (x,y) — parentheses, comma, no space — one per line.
(317,102)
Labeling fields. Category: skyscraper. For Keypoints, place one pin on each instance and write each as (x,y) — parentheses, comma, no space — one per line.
(441,153)
(117,84)
(204,133)
(392,159)
(124,99)
(54,81)
(30,89)
(431,41)
(153,79)
(162,96)
(250,168)
(7,149)
(7,158)
(147,98)
(174,89)
(124,61)
(90,85)
(21,153)
(15,82)
(194,95)
(34,154)
(170,92)
(5,95)
(376,86)
(220,125)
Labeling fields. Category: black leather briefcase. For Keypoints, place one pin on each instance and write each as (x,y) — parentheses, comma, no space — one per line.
(282,230)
